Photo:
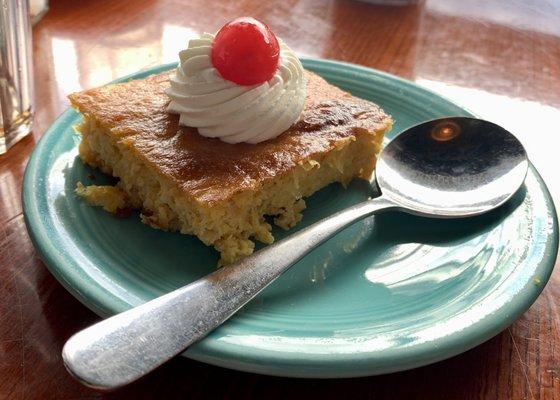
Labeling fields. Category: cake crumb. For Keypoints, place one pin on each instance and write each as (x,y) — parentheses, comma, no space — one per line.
(111,198)
(290,216)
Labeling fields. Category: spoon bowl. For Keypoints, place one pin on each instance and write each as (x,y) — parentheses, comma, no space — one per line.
(452,167)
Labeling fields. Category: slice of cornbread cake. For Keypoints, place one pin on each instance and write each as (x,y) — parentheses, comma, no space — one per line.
(217,191)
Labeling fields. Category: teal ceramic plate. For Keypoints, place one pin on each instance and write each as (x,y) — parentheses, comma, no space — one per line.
(390,293)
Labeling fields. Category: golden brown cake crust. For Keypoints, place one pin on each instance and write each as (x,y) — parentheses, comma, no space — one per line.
(208,169)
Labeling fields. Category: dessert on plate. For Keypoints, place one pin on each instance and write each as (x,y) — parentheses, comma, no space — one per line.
(238,132)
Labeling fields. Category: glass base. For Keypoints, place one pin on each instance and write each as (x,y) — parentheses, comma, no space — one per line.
(18,130)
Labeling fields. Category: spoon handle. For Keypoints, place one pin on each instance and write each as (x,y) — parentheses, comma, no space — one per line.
(125,347)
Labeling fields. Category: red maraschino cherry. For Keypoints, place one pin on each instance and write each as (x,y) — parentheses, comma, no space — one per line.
(245,51)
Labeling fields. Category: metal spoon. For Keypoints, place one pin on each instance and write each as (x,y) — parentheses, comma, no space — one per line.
(446,168)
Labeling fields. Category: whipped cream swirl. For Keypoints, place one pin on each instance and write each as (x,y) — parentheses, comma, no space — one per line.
(234,113)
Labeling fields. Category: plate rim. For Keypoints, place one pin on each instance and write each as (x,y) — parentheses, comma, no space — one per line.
(261,361)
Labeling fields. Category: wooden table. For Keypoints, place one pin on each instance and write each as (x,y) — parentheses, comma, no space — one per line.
(501,59)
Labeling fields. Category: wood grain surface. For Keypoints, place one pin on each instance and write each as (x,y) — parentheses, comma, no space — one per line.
(500,58)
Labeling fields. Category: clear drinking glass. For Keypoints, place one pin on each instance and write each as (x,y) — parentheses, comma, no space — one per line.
(16,85)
